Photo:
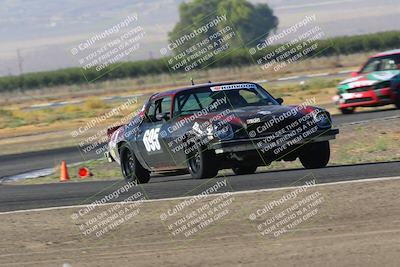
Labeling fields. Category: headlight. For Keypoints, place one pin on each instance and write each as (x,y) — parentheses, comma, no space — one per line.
(222,130)
(322,119)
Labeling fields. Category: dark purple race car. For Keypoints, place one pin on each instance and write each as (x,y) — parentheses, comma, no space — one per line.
(205,128)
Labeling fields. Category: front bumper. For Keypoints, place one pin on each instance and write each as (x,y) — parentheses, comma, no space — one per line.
(108,156)
(241,145)
(368,98)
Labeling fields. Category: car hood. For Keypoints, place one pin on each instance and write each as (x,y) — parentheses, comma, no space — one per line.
(368,79)
(264,111)
(255,114)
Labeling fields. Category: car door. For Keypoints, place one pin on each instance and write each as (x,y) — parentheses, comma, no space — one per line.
(150,143)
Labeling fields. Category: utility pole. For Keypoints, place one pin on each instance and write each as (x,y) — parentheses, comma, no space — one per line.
(20,61)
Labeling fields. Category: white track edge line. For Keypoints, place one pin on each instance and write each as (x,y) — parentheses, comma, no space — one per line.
(377,179)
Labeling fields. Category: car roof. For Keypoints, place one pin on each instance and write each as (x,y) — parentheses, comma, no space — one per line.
(387,53)
(192,87)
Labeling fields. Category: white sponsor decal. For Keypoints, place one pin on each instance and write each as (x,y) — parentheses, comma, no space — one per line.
(196,129)
(361,83)
(264,112)
(233,86)
(150,140)
(351,80)
(255,120)
(346,96)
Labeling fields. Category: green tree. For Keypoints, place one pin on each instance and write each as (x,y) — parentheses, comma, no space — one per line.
(251,23)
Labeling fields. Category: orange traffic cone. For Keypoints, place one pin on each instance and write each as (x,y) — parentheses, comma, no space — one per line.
(64,172)
(84,172)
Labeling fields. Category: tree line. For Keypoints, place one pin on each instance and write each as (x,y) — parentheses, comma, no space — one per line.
(236,57)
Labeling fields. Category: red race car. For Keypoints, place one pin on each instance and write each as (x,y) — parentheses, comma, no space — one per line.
(377,83)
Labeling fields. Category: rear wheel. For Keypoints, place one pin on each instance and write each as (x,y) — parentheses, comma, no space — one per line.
(131,168)
(241,169)
(315,155)
(347,110)
(201,164)
(397,101)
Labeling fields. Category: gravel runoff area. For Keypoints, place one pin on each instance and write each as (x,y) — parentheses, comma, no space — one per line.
(342,224)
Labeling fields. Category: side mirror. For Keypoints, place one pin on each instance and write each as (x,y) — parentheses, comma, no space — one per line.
(279,100)
(354,74)
(162,116)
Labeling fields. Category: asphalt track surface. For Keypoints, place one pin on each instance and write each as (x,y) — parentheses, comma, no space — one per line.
(31,161)
(21,197)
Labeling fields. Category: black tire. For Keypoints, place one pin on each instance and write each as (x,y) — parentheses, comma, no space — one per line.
(131,168)
(397,101)
(241,169)
(315,155)
(347,110)
(201,164)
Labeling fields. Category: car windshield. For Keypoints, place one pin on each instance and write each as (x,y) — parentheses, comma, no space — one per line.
(391,62)
(222,97)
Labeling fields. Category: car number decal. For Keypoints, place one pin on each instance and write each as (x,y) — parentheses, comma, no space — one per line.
(150,139)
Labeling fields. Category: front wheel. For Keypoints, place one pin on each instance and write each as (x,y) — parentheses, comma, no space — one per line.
(397,101)
(202,164)
(315,155)
(347,110)
(131,168)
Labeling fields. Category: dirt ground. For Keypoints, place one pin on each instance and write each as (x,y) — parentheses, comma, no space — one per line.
(355,224)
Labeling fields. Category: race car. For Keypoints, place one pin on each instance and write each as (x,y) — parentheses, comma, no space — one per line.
(204,128)
(377,83)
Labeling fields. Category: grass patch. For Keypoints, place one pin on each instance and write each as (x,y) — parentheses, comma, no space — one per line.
(312,86)
(316,84)
(95,103)
(47,116)
(8,120)
(11,118)
(380,145)
(101,170)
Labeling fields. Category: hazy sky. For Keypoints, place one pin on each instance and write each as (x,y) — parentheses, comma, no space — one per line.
(44,31)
